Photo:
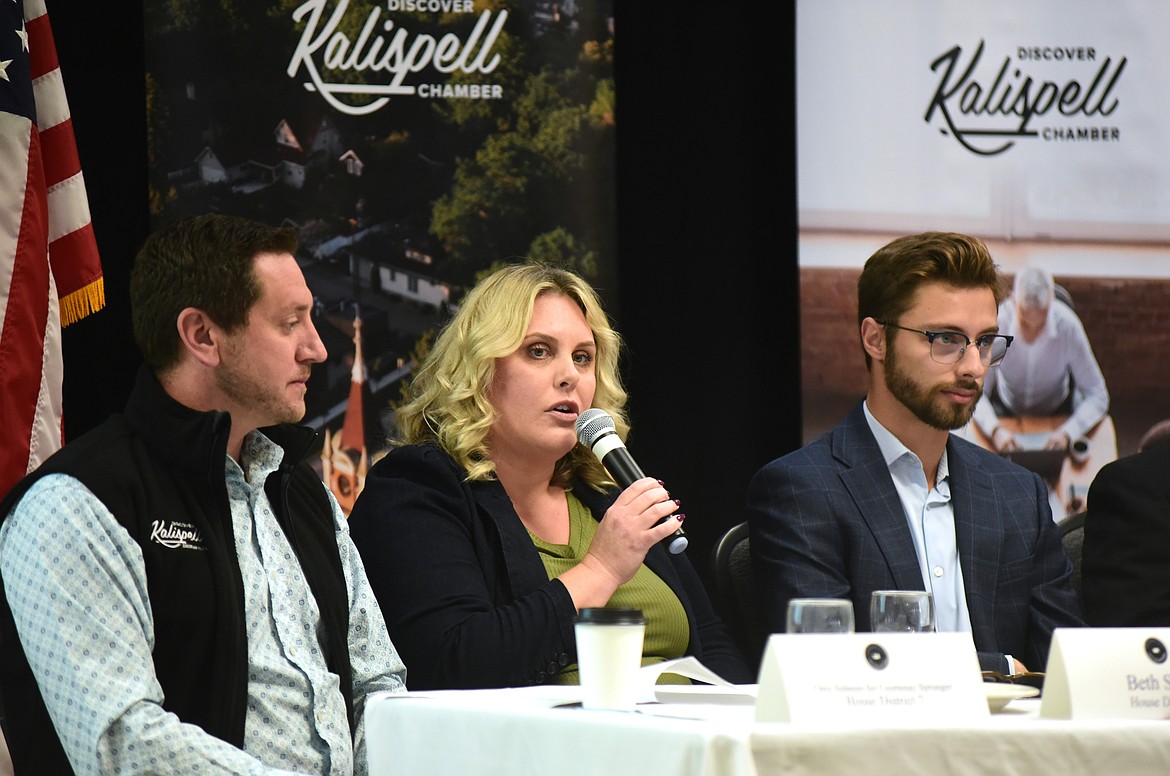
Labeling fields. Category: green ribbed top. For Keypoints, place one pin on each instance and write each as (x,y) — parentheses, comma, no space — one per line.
(667,629)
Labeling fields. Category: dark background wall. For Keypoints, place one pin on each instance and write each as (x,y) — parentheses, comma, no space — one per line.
(707,235)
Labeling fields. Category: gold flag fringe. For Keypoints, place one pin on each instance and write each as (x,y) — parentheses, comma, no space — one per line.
(85,300)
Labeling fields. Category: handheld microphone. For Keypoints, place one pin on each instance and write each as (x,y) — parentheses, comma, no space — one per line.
(596,430)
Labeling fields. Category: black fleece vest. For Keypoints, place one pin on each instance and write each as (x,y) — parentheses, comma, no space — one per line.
(160,470)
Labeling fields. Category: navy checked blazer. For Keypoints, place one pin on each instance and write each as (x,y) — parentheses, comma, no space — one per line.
(826,522)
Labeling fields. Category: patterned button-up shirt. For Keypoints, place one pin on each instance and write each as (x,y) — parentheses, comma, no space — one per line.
(76,584)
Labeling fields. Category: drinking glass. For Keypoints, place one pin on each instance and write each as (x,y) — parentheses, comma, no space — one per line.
(820,615)
(901,611)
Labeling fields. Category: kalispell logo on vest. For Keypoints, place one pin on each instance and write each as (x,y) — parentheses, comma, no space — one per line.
(987,114)
(176,535)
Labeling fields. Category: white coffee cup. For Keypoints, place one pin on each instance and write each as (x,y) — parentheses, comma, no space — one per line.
(609,655)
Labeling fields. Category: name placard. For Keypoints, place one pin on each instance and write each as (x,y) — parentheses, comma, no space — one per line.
(874,677)
(1107,673)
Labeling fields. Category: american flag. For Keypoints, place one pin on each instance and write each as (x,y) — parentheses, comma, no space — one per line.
(50,272)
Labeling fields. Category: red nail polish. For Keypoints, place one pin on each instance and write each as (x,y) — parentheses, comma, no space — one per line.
(680,517)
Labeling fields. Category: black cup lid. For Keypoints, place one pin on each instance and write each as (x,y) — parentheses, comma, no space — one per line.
(611,616)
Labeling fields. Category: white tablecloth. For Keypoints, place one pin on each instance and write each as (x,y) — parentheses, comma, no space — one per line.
(710,731)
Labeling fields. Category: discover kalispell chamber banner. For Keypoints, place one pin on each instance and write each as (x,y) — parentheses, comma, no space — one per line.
(1039,127)
(413,144)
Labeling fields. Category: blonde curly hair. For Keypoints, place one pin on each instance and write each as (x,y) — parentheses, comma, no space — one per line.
(447,401)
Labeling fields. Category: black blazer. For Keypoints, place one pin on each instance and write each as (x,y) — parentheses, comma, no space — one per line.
(466,598)
(1125,562)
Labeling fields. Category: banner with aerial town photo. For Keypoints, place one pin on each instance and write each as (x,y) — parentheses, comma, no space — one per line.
(412,144)
(1039,127)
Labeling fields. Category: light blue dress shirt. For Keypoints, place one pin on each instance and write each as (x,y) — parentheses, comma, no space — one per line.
(931,518)
(77,587)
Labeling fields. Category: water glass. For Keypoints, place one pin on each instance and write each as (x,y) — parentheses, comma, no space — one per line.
(820,615)
(901,611)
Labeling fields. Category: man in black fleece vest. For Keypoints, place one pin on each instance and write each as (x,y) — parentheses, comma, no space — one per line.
(180,589)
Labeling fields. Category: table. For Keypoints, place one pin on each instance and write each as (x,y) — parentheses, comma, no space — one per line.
(1067,493)
(710,731)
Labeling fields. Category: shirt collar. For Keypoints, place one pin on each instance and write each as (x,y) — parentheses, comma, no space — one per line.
(259,457)
(892,448)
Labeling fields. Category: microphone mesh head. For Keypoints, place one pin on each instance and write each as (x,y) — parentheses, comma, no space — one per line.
(591,424)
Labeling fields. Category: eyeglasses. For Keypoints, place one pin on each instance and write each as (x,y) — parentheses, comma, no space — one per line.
(948,347)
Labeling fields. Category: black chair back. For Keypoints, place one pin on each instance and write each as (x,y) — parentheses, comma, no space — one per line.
(734,595)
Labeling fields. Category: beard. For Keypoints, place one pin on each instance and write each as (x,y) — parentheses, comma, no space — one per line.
(254,392)
(927,402)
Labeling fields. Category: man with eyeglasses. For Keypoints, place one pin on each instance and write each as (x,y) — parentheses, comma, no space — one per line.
(890,499)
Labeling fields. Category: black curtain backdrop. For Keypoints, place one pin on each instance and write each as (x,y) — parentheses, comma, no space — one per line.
(706,219)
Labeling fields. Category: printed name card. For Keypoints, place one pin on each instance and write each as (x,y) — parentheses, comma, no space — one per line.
(883,678)
(1107,673)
